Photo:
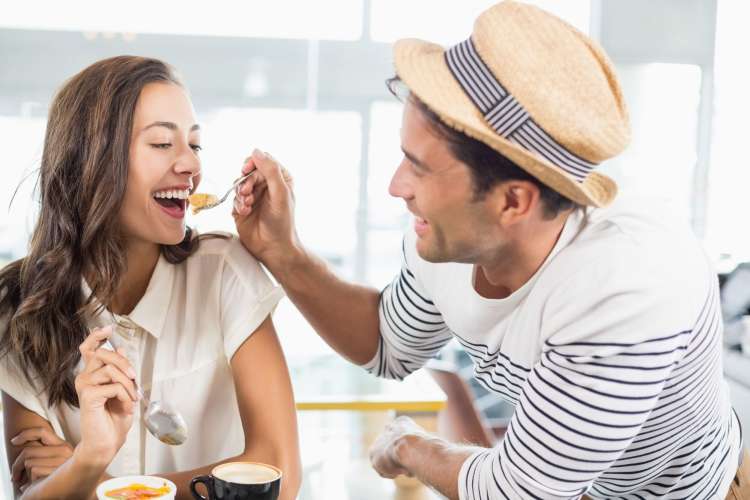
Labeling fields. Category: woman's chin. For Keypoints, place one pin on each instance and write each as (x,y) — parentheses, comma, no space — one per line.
(173,237)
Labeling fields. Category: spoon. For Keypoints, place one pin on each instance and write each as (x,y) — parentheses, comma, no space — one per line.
(162,420)
(201,201)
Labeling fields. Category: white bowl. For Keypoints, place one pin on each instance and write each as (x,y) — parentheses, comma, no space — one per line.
(121,482)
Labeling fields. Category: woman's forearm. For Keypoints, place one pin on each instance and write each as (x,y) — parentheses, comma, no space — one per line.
(75,479)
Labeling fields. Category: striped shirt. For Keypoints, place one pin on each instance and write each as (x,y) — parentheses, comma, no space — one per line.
(610,353)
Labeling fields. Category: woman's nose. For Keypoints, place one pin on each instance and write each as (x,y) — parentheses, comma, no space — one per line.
(188,162)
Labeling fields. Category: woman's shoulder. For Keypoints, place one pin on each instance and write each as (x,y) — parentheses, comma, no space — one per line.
(220,250)
(215,243)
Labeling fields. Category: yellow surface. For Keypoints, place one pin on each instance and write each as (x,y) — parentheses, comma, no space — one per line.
(358,403)
(417,393)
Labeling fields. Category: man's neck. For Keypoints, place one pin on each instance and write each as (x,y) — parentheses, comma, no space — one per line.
(509,271)
(141,262)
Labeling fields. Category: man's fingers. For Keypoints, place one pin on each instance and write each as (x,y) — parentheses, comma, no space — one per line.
(255,185)
(42,434)
(244,203)
(248,165)
(386,467)
(288,179)
(271,171)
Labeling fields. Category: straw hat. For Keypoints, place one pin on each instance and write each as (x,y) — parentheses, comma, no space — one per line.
(533,88)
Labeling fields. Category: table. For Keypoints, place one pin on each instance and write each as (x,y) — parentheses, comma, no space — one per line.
(342,409)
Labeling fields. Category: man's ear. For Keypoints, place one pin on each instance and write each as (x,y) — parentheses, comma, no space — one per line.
(515,200)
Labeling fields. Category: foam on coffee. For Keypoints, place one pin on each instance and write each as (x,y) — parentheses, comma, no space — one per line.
(246,473)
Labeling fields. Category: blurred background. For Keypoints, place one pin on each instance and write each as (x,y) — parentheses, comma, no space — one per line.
(304,80)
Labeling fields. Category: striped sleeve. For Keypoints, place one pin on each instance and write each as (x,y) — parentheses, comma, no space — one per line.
(412,329)
(590,398)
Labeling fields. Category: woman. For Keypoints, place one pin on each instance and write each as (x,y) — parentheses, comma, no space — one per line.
(121,154)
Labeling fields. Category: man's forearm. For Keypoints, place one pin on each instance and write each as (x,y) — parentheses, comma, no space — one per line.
(344,314)
(433,461)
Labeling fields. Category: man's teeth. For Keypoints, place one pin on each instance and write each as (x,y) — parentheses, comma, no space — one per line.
(180,194)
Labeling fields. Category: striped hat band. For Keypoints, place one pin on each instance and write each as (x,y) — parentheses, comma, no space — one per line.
(505,114)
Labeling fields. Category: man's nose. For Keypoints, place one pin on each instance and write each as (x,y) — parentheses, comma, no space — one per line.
(400,186)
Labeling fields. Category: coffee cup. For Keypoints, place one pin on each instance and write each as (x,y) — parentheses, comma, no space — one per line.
(239,481)
(108,490)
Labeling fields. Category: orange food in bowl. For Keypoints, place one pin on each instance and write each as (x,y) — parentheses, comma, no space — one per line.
(137,491)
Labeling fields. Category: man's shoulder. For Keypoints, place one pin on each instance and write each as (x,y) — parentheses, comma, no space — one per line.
(632,249)
(635,233)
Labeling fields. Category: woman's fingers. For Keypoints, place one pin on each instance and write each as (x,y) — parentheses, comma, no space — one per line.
(95,339)
(105,367)
(40,472)
(115,358)
(42,434)
(109,374)
(98,395)
(54,456)
(89,346)
(106,375)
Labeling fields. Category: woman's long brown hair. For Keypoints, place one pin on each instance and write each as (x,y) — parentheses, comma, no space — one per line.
(83,175)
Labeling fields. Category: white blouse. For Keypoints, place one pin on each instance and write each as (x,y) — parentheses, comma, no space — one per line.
(182,336)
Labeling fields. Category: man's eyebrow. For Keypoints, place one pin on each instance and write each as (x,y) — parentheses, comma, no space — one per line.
(414,160)
(170,126)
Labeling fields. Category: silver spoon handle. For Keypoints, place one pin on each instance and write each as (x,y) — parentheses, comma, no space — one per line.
(243,178)
(110,344)
(236,183)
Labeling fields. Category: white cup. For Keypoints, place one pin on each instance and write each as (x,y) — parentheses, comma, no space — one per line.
(122,482)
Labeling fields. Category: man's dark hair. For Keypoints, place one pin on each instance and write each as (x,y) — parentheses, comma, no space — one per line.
(488,167)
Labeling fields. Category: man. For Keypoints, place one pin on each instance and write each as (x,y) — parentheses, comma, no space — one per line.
(599,321)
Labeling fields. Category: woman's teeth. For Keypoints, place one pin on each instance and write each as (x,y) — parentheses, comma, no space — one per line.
(179,194)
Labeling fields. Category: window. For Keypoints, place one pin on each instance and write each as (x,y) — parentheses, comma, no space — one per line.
(387,216)
(663,102)
(21,159)
(320,149)
(292,19)
(451,22)
(727,234)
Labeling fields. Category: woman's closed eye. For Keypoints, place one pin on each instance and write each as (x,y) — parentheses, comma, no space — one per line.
(166,145)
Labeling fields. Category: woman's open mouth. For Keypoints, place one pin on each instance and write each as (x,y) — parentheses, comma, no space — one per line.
(172,201)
